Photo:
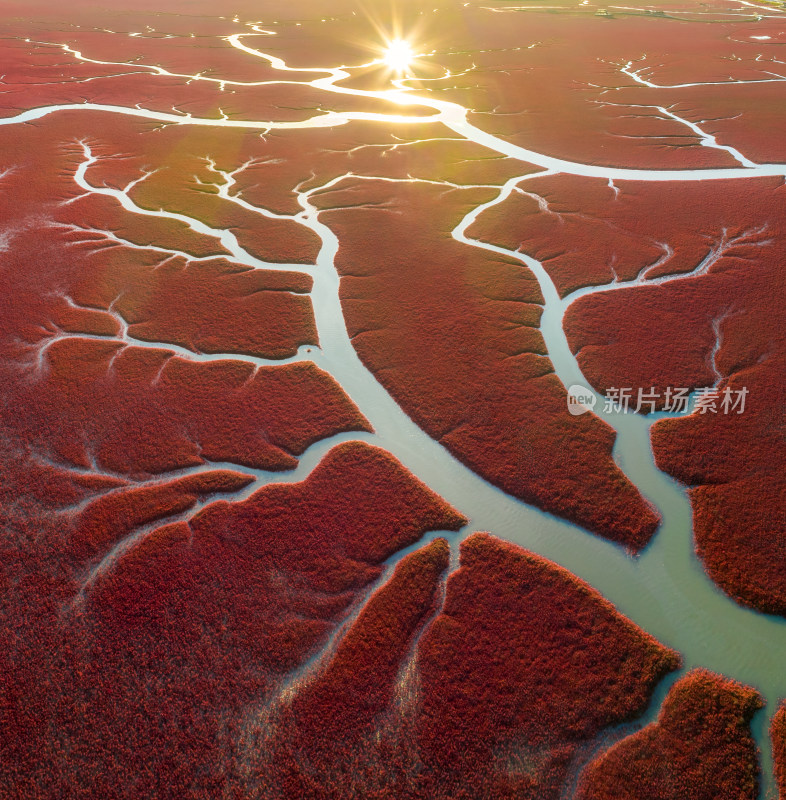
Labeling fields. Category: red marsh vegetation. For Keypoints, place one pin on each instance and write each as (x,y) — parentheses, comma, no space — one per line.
(151,672)
(778,737)
(345,729)
(700,748)
(523,665)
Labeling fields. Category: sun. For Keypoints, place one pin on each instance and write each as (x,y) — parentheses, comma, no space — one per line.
(399,55)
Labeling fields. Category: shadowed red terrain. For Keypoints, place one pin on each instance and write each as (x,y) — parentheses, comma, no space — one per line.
(223,308)
(144,410)
(452,333)
(700,748)
(358,683)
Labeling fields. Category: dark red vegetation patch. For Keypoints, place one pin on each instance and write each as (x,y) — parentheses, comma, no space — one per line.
(359,682)
(733,465)
(524,663)
(226,309)
(660,333)
(361,507)
(590,232)
(137,410)
(153,668)
(778,737)
(208,307)
(111,517)
(725,325)
(81,256)
(342,732)
(452,333)
(700,748)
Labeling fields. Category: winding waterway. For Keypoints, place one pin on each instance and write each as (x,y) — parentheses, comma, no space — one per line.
(665,590)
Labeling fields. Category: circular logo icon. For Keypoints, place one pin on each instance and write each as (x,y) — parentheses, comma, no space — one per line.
(580,400)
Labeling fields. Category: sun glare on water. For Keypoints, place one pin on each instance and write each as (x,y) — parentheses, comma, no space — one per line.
(399,55)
